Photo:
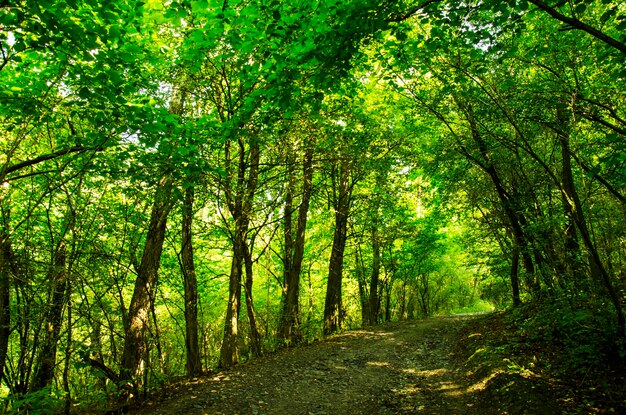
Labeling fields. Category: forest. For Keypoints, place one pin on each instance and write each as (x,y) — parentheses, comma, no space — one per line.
(187,185)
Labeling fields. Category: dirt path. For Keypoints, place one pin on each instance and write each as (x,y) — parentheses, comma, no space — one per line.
(405,368)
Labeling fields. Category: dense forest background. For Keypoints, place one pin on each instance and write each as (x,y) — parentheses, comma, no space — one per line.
(186,185)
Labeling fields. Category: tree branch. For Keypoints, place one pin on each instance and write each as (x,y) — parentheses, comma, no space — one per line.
(577,24)
(406,15)
(50,156)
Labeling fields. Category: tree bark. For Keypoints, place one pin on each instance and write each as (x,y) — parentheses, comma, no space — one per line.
(229,354)
(5,299)
(333,314)
(239,199)
(255,336)
(373,299)
(294,250)
(516,220)
(46,360)
(193,363)
(572,248)
(572,199)
(135,344)
(363,288)
(515,276)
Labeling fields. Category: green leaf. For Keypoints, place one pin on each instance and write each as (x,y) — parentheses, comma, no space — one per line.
(199,6)
(580,8)
(84,93)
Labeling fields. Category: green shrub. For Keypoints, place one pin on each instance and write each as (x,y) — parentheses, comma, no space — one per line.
(45,401)
(587,332)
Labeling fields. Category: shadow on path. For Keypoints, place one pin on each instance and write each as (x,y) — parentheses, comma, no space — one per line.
(402,368)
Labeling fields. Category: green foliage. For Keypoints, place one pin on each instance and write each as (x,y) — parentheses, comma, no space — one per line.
(42,402)
(585,332)
(450,121)
(478,306)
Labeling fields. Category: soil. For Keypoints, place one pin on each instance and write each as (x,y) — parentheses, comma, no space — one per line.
(415,367)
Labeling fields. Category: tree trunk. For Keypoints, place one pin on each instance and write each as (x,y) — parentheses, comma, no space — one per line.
(5,299)
(294,250)
(373,300)
(288,321)
(363,293)
(512,212)
(46,360)
(573,203)
(193,363)
(239,200)
(515,276)
(229,354)
(135,344)
(333,306)
(402,300)
(255,336)
(387,291)
(68,348)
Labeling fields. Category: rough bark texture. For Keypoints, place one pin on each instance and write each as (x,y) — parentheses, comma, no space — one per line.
(333,305)
(229,355)
(373,299)
(363,288)
(294,251)
(193,362)
(5,303)
(255,336)
(288,321)
(135,345)
(239,198)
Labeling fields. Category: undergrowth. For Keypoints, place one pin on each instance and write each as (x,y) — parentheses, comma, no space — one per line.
(571,348)
(586,336)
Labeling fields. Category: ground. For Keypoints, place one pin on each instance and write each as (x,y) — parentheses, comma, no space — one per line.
(430,366)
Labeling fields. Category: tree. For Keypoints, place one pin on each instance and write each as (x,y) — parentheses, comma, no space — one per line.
(135,344)
(294,239)
(190,282)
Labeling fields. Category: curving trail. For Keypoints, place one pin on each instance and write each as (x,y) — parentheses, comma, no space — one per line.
(403,368)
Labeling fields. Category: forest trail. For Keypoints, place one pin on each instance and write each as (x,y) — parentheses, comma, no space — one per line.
(401,368)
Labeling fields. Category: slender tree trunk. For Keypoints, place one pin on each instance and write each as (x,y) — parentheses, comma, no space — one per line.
(373,299)
(288,324)
(135,344)
(572,248)
(255,336)
(193,363)
(229,354)
(5,299)
(24,303)
(239,199)
(387,290)
(95,336)
(333,306)
(516,220)
(156,336)
(46,360)
(294,250)
(68,349)
(363,293)
(572,199)
(515,276)
(402,300)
